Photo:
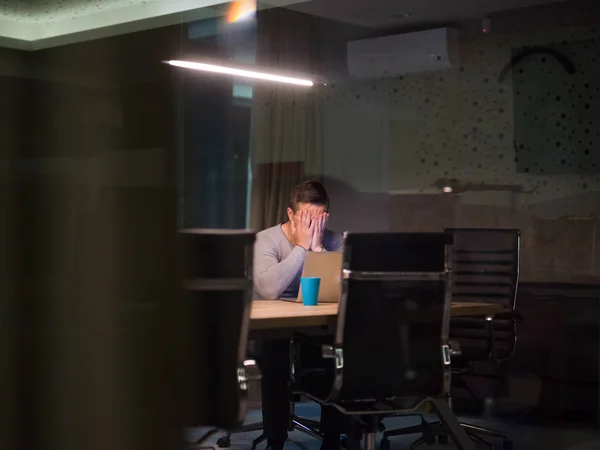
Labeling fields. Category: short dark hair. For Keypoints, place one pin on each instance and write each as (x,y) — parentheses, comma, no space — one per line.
(310,191)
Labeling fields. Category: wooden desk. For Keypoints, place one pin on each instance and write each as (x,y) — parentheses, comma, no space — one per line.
(280,314)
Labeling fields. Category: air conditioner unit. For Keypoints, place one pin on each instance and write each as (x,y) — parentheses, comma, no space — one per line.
(389,56)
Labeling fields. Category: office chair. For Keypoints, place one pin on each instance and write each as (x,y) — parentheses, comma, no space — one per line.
(297,423)
(390,352)
(485,266)
(218,295)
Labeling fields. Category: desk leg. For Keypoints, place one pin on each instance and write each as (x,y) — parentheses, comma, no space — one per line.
(449,420)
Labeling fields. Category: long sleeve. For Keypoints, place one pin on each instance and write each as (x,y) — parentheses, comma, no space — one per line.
(272,277)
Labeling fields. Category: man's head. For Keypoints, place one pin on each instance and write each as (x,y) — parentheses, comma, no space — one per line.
(309,195)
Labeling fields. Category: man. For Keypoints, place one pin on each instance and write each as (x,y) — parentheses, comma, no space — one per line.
(280,251)
(279,254)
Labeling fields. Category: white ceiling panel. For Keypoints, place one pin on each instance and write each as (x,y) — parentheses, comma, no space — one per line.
(400,13)
(34,25)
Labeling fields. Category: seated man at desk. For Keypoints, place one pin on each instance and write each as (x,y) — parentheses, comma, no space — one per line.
(279,254)
(279,251)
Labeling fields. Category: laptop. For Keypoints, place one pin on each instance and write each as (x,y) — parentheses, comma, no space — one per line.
(328,267)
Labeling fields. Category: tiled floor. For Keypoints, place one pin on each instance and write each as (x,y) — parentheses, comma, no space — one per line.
(525,436)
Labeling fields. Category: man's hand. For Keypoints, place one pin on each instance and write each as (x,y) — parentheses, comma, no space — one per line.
(303,229)
(320,225)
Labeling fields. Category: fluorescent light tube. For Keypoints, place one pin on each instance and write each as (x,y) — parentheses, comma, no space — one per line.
(239,72)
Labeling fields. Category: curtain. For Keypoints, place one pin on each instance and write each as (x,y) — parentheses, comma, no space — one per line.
(271,191)
(286,134)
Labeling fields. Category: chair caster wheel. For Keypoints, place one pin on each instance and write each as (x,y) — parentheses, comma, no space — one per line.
(508,445)
(224,442)
(385,444)
(443,439)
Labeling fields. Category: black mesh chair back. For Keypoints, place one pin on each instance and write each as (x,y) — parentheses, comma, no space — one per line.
(485,268)
(218,295)
(392,325)
(485,265)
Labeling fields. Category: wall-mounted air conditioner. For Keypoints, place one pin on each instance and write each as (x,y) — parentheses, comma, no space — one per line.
(389,56)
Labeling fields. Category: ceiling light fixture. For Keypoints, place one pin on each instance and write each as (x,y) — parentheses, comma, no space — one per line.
(239,72)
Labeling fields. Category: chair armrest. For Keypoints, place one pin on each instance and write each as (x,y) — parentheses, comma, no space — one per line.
(251,371)
(513,316)
(327,350)
(491,340)
(455,349)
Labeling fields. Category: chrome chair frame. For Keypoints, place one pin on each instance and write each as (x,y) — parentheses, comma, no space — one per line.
(368,411)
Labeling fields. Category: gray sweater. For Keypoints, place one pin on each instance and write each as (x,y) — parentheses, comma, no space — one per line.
(278,264)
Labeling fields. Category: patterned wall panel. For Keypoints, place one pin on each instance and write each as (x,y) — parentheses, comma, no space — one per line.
(461,123)
(466,125)
(556,114)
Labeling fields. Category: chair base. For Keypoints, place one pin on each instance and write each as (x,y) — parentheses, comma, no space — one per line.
(306,426)
(476,433)
(225,441)
(367,427)
(435,430)
(429,431)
